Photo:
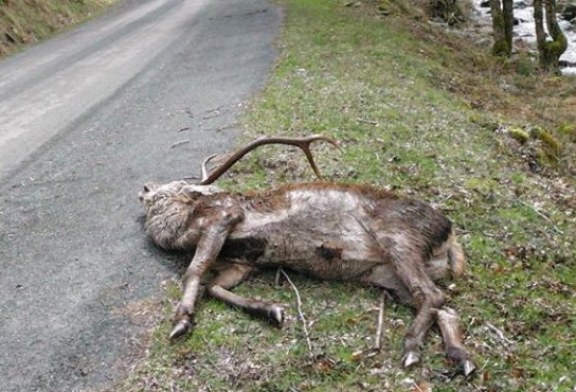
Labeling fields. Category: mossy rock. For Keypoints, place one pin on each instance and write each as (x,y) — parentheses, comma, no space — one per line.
(547,139)
(519,134)
(549,151)
(569,131)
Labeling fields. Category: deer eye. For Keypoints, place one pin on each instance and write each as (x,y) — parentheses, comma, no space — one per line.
(146,189)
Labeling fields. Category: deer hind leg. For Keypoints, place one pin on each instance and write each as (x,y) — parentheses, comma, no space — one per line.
(232,275)
(447,320)
(429,302)
(426,306)
(425,296)
(413,287)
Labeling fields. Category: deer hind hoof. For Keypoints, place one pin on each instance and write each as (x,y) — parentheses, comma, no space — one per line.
(410,359)
(276,315)
(180,329)
(468,367)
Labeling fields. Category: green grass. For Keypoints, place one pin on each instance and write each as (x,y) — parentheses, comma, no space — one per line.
(394,91)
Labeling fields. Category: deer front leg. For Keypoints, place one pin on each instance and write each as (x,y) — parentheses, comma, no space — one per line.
(447,320)
(232,275)
(212,238)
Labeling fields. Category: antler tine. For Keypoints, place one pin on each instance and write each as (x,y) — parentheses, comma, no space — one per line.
(204,170)
(302,143)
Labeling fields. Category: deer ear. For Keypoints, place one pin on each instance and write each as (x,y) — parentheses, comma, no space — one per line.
(149,187)
(191,193)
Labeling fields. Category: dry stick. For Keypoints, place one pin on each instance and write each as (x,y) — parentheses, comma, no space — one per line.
(500,334)
(300,314)
(378,345)
(543,216)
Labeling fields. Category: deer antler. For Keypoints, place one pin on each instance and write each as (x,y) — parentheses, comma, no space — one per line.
(204,170)
(302,143)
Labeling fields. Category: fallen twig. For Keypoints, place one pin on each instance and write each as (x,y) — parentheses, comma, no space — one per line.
(179,143)
(225,127)
(378,344)
(543,216)
(500,334)
(300,314)
(365,121)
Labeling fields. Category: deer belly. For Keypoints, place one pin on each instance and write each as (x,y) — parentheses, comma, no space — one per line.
(322,259)
(328,246)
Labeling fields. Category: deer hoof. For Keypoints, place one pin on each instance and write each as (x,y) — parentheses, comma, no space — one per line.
(410,359)
(180,329)
(276,315)
(468,367)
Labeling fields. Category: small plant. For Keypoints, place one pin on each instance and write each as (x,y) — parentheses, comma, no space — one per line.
(449,11)
(524,64)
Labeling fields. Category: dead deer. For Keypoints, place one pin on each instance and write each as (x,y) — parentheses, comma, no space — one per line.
(327,230)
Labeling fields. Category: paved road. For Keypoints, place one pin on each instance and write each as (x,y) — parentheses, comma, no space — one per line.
(142,93)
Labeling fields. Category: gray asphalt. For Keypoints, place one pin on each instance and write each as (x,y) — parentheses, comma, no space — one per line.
(142,93)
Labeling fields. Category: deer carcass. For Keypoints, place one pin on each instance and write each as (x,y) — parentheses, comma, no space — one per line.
(328,230)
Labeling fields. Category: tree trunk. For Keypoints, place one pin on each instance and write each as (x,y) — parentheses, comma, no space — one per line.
(502,24)
(549,51)
(539,27)
(508,13)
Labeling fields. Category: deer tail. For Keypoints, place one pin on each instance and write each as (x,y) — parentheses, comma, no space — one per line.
(456,256)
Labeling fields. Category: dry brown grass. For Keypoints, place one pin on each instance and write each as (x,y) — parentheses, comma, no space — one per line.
(24,22)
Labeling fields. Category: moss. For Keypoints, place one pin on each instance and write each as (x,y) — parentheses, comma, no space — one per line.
(501,48)
(552,51)
(559,45)
(547,138)
(569,131)
(549,151)
(519,134)
(543,157)
(484,186)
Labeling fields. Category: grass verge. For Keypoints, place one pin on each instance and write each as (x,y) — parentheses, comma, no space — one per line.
(23,22)
(420,111)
